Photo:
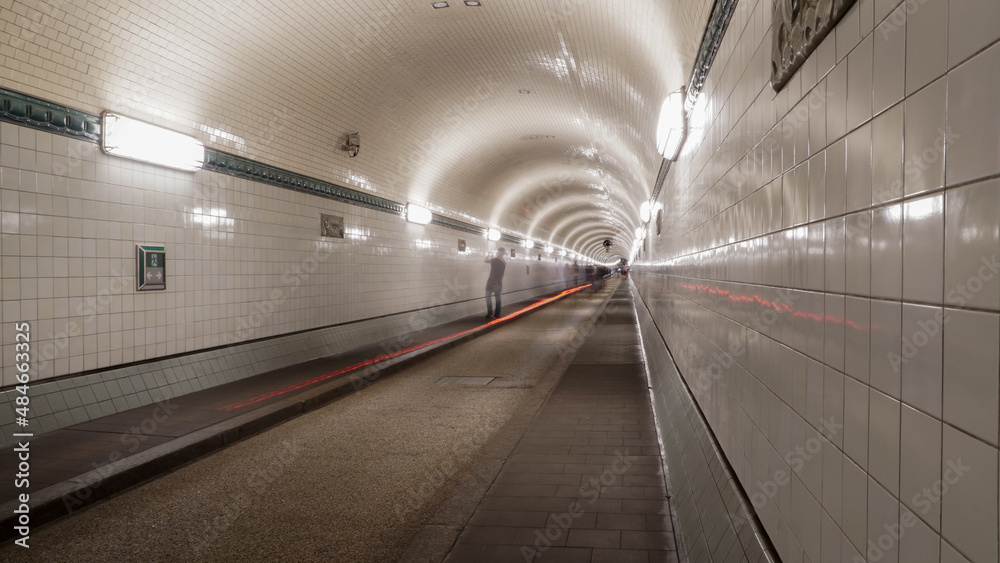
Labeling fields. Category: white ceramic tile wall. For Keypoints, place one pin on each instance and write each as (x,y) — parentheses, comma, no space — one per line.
(245,261)
(885,279)
(714,521)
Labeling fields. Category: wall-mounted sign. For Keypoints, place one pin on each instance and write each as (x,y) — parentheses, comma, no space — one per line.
(461,245)
(151,267)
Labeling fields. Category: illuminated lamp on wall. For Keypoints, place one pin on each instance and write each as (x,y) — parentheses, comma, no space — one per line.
(548,249)
(671,128)
(418,214)
(529,244)
(644,212)
(493,234)
(130,138)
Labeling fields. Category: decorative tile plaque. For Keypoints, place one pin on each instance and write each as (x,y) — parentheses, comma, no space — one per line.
(799,27)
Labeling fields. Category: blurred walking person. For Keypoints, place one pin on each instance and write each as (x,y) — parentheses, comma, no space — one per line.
(494,284)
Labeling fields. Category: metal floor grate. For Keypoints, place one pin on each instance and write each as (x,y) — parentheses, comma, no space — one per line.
(465,380)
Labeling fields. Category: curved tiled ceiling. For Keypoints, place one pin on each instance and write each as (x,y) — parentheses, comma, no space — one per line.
(536,116)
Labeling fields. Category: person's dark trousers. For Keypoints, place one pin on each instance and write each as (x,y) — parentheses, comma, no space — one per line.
(495,292)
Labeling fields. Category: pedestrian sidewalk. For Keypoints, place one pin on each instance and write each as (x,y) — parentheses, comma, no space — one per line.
(579,479)
(75,466)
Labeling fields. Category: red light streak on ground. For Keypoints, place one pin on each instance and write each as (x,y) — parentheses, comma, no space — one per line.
(348,369)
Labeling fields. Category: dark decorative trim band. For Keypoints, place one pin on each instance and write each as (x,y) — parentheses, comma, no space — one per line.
(443,221)
(661,176)
(225,163)
(28,111)
(233,165)
(722,12)
(32,112)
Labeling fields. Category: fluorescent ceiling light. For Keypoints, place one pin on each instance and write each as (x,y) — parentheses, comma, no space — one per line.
(644,212)
(130,138)
(670,130)
(493,234)
(418,214)
(529,244)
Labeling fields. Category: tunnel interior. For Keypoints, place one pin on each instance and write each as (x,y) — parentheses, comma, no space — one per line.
(814,269)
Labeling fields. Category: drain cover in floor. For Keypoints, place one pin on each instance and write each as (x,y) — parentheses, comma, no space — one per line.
(465,380)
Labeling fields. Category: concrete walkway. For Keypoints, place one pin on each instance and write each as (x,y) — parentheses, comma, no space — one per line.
(584,482)
(76,466)
(352,481)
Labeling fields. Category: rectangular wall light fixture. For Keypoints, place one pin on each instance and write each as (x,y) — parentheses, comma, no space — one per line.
(418,214)
(130,138)
(671,128)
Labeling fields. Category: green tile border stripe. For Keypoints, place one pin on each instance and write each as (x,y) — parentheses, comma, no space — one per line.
(218,161)
(32,112)
(28,111)
(661,176)
(718,21)
(443,221)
